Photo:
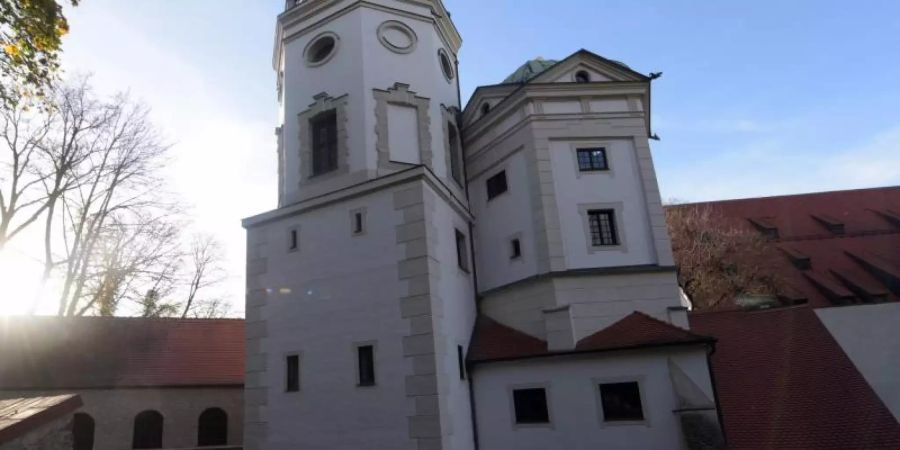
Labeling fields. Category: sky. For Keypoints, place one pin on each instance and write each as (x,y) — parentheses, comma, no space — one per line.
(757,98)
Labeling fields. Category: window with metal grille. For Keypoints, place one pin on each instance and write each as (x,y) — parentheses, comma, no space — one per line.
(366,365)
(621,402)
(592,159)
(292,376)
(496,185)
(324,142)
(531,406)
(603,227)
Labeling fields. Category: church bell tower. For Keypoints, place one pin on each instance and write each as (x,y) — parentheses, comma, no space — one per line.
(360,287)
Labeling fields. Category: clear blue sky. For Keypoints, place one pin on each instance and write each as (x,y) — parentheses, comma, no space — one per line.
(757,98)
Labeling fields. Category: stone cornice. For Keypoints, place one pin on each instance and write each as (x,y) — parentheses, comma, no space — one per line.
(415,173)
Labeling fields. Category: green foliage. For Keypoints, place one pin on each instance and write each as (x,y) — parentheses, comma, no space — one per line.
(31,33)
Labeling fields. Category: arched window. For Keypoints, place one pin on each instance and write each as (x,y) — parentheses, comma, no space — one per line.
(148,430)
(82,432)
(582,76)
(212,428)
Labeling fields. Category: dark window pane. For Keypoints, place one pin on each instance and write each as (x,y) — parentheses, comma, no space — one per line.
(496,185)
(531,406)
(455,157)
(621,401)
(212,428)
(357,223)
(148,430)
(292,367)
(516,249)
(294,241)
(603,227)
(462,251)
(460,358)
(324,142)
(591,159)
(82,432)
(366,365)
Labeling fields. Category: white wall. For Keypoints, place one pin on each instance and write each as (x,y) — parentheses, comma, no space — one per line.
(574,403)
(498,220)
(338,289)
(621,185)
(870,336)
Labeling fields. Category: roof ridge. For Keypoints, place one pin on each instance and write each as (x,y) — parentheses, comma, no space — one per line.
(802,194)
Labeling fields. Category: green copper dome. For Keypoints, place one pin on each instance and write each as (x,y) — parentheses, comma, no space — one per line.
(529,70)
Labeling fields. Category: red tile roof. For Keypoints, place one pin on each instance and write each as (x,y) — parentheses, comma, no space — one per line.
(832,243)
(105,352)
(20,416)
(783,382)
(493,341)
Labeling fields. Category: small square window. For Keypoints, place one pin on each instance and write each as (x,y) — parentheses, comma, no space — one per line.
(292,369)
(531,406)
(592,159)
(603,227)
(496,185)
(366,365)
(462,251)
(515,249)
(461,360)
(621,402)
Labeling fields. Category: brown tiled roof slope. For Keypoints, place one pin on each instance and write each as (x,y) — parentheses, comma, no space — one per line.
(20,416)
(783,382)
(840,247)
(493,341)
(105,352)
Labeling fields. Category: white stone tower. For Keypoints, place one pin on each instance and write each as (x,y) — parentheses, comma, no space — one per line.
(360,291)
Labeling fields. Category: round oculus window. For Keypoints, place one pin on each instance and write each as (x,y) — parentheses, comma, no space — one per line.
(321,49)
(397,36)
(446,65)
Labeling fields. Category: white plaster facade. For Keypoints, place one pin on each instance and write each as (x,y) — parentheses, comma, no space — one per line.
(434,252)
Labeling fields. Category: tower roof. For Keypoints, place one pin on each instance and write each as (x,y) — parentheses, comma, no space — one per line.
(529,70)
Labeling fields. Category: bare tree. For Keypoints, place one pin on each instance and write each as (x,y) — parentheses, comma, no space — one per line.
(205,260)
(719,259)
(22,199)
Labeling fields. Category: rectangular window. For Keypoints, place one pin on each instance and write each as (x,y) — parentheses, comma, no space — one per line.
(292,378)
(293,240)
(603,227)
(461,360)
(324,142)
(592,159)
(496,185)
(515,250)
(366,365)
(531,406)
(455,158)
(621,402)
(357,223)
(462,251)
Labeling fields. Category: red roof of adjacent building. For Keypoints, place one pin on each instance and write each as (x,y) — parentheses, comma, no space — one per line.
(836,247)
(107,352)
(20,416)
(493,341)
(784,382)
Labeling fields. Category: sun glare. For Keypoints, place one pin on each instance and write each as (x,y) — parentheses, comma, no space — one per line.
(19,280)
